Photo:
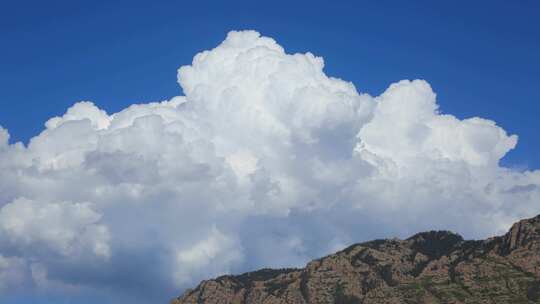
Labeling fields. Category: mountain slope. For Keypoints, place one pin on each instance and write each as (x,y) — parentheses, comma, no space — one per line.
(429,267)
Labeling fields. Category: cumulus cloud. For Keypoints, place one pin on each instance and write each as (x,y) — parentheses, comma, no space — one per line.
(266,161)
(65,228)
(216,253)
(407,127)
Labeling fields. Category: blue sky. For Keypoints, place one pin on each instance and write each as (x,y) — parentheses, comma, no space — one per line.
(481,58)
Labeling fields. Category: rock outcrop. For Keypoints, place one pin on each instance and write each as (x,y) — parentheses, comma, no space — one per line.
(429,267)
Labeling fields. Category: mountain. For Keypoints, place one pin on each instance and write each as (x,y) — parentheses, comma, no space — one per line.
(429,267)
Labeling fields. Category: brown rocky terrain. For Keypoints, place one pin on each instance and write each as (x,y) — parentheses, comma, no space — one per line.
(429,267)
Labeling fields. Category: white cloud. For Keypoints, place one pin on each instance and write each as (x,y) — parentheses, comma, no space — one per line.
(80,111)
(265,154)
(407,127)
(216,252)
(65,228)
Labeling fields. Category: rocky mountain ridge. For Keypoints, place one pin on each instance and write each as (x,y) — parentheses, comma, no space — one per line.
(429,267)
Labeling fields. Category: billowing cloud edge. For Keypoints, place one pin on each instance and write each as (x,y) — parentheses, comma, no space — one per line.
(266,161)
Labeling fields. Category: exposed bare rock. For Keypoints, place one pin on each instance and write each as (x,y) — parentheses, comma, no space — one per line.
(429,267)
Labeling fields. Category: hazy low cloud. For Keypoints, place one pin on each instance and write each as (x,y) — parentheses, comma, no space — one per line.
(265,162)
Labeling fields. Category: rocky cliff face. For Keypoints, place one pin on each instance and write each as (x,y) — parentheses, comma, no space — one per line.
(429,267)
